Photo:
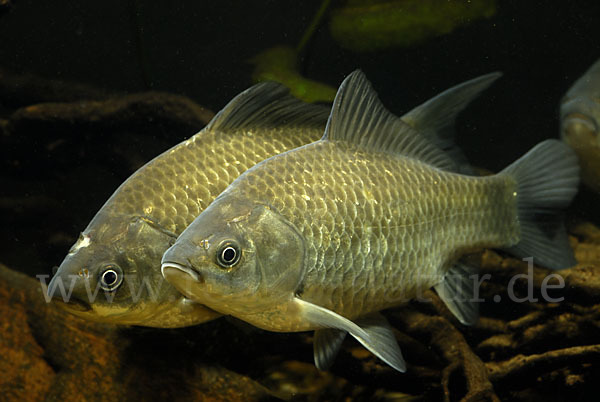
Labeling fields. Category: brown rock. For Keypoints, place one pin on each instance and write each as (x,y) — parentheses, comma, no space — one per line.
(49,354)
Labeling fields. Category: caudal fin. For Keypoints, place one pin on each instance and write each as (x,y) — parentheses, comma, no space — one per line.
(547,179)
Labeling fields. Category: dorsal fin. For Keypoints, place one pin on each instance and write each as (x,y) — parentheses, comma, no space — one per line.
(268,104)
(435,119)
(358,116)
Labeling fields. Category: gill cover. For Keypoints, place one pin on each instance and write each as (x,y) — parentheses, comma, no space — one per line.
(279,250)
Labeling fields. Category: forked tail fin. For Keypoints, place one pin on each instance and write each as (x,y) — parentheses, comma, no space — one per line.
(547,179)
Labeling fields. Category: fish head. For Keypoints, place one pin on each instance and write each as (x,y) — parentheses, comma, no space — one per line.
(237,257)
(580,123)
(112,275)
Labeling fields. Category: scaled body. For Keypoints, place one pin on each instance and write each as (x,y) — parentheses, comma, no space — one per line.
(374,228)
(381,227)
(324,236)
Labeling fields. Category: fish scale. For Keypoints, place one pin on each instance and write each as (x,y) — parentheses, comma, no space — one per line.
(175,187)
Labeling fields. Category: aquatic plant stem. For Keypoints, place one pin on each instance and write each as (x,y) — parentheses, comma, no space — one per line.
(313,26)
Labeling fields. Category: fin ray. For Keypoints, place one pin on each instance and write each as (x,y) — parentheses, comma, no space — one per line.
(268,104)
(358,116)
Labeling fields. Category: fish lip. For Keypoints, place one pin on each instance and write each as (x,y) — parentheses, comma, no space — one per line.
(183,268)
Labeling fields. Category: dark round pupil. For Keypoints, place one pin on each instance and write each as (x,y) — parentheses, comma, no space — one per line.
(110,277)
(228,254)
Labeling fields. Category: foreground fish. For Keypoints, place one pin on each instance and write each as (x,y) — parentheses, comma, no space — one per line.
(114,268)
(112,274)
(325,236)
(580,124)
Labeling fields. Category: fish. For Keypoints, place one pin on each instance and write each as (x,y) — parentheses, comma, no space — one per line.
(580,124)
(326,236)
(112,273)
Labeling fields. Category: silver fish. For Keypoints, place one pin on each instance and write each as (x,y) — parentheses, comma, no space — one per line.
(112,273)
(325,236)
(580,124)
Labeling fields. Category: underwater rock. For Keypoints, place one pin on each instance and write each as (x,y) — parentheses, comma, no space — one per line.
(147,108)
(134,128)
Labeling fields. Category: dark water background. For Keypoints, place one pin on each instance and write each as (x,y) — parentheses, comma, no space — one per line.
(200,49)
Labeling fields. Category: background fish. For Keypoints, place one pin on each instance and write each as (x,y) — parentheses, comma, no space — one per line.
(325,236)
(579,123)
(112,273)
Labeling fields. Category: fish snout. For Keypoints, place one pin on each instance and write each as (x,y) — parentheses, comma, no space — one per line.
(61,291)
(186,256)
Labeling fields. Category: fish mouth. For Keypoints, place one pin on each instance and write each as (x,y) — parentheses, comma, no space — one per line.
(184,279)
(167,269)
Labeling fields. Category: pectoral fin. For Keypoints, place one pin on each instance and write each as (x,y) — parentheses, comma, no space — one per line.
(326,345)
(375,334)
(322,317)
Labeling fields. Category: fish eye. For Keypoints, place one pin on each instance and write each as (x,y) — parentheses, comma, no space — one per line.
(111,278)
(228,254)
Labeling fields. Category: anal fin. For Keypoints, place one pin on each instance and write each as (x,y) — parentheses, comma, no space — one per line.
(457,291)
